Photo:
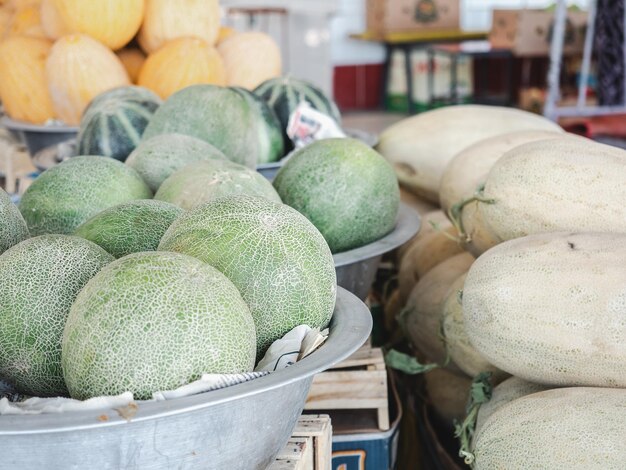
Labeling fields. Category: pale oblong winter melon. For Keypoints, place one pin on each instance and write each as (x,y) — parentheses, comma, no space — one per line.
(550,308)
(278,260)
(423,311)
(155,321)
(571,428)
(66,195)
(39,280)
(556,185)
(223,117)
(13,227)
(204,181)
(345,188)
(157,158)
(458,344)
(509,390)
(130,227)
(420,147)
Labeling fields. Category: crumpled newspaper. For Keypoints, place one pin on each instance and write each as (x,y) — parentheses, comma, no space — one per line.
(306,125)
(295,345)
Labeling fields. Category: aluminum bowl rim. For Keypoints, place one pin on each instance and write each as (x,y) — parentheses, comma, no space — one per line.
(22,126)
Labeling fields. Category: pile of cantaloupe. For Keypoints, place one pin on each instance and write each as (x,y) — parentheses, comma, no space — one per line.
(57,55)
(521,272)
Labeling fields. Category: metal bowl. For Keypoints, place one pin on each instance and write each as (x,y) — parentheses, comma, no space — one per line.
(37,137)
(356,269)
(239,427)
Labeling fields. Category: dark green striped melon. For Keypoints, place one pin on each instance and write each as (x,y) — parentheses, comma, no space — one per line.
(223,117)
(13,227)
(283,95)
(39,280)
(277,259)
(155,321)
(272,129)
(130,227)
(113,123)
(347,189)
(158,157)
(66,195)
(207,180)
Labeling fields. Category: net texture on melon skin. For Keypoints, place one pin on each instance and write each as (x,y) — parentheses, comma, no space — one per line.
(68,194)
(39,280)
(155,321)
(346,189)
(278,260)
(13,227)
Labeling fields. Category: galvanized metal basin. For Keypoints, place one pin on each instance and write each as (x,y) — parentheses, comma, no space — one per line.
(240,427)
(37,137)
(356,269)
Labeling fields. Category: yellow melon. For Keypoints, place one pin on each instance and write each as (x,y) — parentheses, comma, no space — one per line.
(132,59)
(23,88)
(250,58)
(78,69)
(112,22)
(51,20)
(5,20)
(26,21)
(224,33)
(166,20)
(181,63)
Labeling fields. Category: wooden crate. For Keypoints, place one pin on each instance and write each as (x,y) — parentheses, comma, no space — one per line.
(358,383)
(310,445)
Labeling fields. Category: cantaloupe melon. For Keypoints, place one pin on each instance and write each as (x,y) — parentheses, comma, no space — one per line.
(572,428)
(130,227)
(277,259)
(66,195)
(424,308)
(556,185)
(430,221)
(250,58)
(224,117)
(157,158)
(13,227)
(549,308)
(207,180)
(448,393)
(458,345)
(345,188)
(420,147)
(506,392)
(39,280)
(426,253)
(114,121)
(154,321)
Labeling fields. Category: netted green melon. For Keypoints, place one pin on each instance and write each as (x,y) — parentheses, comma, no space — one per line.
(205,181)
(277,259)
(155,321)
(130,227)
(345,188)
(39,280)
(221,116)
(13,227)
(580,428)
(68,194)
(157,158)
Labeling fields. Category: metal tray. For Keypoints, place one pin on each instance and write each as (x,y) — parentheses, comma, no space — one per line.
(356,269)
(239,427)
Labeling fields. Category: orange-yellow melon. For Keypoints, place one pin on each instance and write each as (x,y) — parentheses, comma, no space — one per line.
(224,33)
(27,22)
(112,22)
(51,20)
(78,69)
(132,59)
(23,88)
(250,58)
(181,63)
(165,20)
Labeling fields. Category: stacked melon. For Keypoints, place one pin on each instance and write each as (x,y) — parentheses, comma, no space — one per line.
(57,55)
(540,297)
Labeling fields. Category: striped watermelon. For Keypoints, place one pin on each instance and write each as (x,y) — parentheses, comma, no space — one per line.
(113,123)
(285,93)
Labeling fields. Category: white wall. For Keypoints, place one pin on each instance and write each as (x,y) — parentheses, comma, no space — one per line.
(350,18)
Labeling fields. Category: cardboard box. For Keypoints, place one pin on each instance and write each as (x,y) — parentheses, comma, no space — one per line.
(385,16)
(529,32)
